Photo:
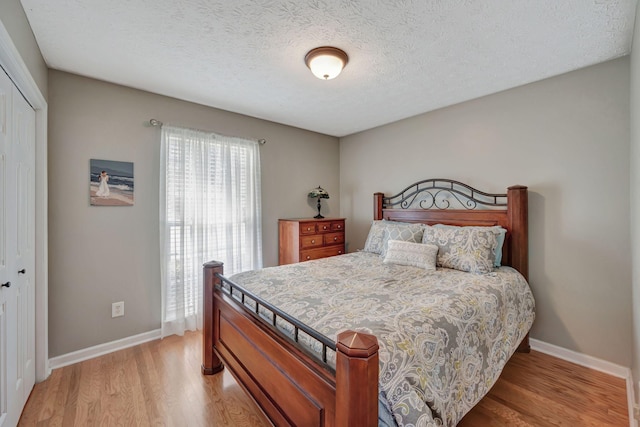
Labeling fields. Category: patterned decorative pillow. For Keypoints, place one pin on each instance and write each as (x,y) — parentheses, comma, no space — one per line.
(413,254)
(375,238)
(373,243)
(498,250)
(464,248)
(405,232)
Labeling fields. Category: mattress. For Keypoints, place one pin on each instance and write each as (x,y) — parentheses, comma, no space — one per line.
(444,335)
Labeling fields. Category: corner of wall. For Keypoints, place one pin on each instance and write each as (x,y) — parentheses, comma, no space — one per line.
(634,380)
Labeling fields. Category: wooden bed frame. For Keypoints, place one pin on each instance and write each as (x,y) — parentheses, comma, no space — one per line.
(293,387)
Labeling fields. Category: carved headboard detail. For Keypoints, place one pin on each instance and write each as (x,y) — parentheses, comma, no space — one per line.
(438,193)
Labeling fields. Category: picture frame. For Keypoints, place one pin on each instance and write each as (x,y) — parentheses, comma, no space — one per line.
(111,183)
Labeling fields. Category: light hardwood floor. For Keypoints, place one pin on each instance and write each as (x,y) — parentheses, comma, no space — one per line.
(159,383)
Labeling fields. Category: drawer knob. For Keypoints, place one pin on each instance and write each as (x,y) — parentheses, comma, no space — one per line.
(313,241)
(339,227)
(308,228)
(308,257)
(324,228)
(335,239)
(6,285)
(339,252)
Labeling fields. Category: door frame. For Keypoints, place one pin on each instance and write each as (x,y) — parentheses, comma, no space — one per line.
(17,70)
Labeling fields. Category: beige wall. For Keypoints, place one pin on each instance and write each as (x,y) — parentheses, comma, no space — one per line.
(99,255)
(15,22)
(567,139)
(635,199)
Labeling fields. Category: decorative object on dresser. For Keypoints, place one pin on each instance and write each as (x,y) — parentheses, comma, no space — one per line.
(307,239)
(319,193)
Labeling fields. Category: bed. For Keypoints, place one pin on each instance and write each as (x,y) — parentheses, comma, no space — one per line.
(303,341)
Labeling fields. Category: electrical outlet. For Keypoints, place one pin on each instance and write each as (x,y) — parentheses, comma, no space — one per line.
(117,309)
(636,412)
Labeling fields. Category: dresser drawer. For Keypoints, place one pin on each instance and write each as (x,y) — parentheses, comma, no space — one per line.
(333,238)
(337,225)
(312,241)
(310,254)
(324,227)
(308,228)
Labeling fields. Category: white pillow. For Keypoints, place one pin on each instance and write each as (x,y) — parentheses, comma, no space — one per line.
(412,254)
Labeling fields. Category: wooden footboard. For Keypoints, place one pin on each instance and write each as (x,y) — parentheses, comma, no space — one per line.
(290,386)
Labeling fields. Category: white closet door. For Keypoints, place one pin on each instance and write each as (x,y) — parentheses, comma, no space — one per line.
(24,122)
(6,399)
(17,253)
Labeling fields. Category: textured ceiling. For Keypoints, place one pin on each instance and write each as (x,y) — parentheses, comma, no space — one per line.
(406,57)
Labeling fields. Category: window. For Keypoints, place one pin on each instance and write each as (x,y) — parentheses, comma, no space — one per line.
(210,209)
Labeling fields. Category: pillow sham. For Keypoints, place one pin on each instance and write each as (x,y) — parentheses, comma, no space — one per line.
(375,238)
(405,232)
(373,243)
(501,236)
(469,249)
(411,254)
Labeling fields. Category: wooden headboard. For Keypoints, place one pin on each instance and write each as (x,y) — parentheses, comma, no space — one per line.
(443,201)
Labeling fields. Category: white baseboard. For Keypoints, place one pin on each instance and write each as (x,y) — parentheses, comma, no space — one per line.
(592,363)
(102,349)
(631,400)
(580,359)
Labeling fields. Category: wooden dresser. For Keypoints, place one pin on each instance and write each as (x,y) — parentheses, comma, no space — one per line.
(307,239)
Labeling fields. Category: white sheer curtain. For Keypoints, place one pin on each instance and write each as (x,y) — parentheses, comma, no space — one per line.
(210,209)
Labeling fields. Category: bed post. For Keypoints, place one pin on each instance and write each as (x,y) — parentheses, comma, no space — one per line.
(211,364)
(518,209)
(377,205)
(356,380)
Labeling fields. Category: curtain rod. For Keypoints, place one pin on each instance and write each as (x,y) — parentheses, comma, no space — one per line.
(158,123)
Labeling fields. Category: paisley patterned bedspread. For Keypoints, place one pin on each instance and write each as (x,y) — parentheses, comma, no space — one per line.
(444,335)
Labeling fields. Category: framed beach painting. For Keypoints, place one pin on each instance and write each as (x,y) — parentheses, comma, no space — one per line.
(111,183)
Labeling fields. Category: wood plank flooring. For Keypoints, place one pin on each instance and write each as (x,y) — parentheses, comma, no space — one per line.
(539,390)
(159,383)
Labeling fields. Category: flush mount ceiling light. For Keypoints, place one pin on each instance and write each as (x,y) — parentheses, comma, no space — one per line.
(326,62)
